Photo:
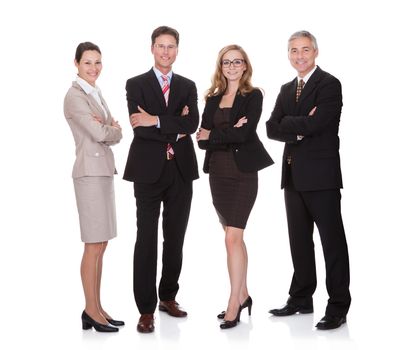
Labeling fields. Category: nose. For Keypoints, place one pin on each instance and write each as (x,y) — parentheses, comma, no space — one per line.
(300,54)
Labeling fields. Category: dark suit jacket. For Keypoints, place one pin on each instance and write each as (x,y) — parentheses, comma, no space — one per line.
(147,154)
(249,153)
(315,159)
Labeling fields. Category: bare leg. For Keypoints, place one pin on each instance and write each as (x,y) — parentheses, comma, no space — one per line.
(89,278)
(244,289)
(237,265)
(99,278)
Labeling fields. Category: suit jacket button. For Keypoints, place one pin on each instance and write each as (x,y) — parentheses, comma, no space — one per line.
(97,154)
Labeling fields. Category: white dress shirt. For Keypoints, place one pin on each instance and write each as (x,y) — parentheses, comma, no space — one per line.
(94,91)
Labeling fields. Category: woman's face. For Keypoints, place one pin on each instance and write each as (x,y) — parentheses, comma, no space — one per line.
(90,66)
(233,65)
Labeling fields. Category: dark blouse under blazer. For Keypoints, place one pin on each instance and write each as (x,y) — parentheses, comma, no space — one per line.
(249,152)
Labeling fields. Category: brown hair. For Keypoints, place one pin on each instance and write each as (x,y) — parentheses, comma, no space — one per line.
(219,82)
(85,46)
(164,30)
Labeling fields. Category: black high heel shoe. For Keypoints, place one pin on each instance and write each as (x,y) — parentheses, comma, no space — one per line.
(115,322)
(231,324)
(247,303)
(88,323)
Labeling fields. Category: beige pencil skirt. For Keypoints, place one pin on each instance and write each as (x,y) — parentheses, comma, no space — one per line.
(95,198)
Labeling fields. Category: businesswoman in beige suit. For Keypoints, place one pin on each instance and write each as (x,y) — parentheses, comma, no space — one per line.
(94,130)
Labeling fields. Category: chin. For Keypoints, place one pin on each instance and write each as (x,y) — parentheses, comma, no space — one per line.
(232,78)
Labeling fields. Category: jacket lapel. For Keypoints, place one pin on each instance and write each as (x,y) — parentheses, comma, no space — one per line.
(95,107)
(292,93)
(213,104)
(311,84)
(173,93)
(156,87)
(211,107)
(238,101)
(108,113)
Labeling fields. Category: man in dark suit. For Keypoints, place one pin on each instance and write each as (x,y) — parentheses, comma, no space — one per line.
(306,117)
(162,165)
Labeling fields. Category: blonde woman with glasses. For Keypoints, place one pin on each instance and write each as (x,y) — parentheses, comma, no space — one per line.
(234,155)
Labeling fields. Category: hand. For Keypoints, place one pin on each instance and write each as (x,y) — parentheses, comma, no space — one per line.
(98,118)
(185,111)
(203,134)
(312,112)
(241,122)
(142,118)
(116,124)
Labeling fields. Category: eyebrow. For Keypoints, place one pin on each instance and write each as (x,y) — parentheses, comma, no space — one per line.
(303,47)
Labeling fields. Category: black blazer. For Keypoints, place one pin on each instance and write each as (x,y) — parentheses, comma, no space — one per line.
(147,154)
(249,153)
(315,159)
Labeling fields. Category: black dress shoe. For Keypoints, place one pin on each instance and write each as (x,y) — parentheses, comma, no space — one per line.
(330,322)
(232,323)
(88,323)
(115,322)
(290,309)
(247,303)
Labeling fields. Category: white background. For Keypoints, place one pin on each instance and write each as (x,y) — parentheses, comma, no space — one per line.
(41,298)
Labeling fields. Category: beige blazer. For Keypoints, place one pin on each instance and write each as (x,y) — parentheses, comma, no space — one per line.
(93,154)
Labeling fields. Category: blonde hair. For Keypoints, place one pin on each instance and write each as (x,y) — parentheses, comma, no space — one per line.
(219,82)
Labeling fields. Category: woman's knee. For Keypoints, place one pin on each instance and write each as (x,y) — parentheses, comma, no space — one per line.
(94,249)
(233,237)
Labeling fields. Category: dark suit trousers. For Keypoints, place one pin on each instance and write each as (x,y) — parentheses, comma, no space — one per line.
(304,209)
(176,196)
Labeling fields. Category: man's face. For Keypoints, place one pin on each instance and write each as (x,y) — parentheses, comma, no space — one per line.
(302,54)
(164,50)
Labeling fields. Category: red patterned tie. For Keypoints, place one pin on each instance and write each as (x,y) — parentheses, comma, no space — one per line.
(165,91)
(165,88)
(300,86)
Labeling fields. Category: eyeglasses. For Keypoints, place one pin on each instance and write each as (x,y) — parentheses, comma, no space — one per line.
(163,47)
(237,62)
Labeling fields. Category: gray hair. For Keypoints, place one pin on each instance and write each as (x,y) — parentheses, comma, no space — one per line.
(303,34)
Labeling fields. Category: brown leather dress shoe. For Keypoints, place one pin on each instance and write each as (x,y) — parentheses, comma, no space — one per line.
(146,323)
(172,308)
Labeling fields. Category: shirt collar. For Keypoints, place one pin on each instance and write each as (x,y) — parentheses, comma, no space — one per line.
(159,75)
(88,88)
(307,76)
